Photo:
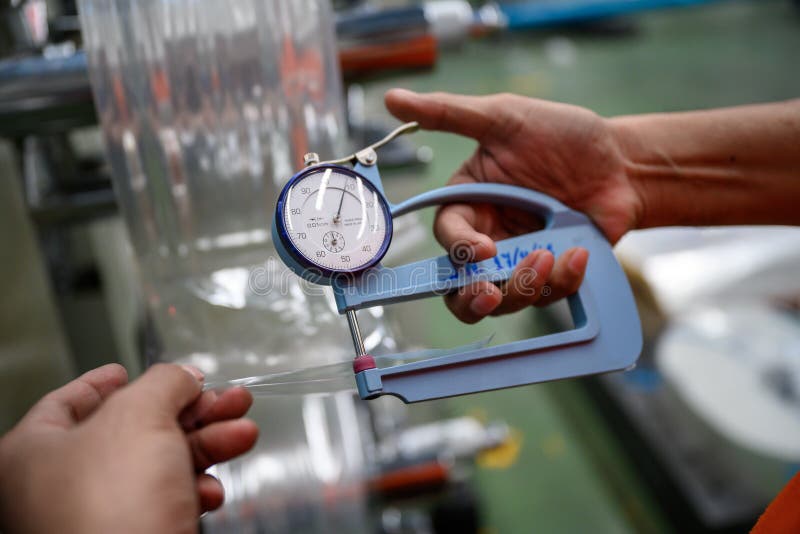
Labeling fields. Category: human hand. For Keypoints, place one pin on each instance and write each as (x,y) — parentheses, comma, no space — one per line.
(567,152)
(98,456)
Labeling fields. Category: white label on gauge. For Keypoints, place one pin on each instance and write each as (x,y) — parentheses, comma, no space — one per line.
(336,220)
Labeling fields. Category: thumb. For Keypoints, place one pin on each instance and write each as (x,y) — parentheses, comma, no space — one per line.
(472,116)
(74,402)
(166,387)
(455,230)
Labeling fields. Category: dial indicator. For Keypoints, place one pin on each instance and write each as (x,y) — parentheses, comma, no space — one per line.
(334,219)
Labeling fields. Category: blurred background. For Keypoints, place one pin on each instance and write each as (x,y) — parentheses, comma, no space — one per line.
(143,146)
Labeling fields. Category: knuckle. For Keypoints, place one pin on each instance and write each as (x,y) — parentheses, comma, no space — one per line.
(169,370)
(170,373)
(159,368)
(51,398)
(88,389)
(119,402)
(504,98)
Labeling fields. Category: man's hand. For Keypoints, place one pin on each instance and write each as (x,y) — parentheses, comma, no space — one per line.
(99,456)
(567,152)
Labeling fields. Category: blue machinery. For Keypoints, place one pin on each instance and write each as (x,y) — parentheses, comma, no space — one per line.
(606,335)
(527,14)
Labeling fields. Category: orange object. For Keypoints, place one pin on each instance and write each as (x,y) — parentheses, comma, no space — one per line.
(159,86)
(430,474)
(301,73)
(783,514)
(416,52)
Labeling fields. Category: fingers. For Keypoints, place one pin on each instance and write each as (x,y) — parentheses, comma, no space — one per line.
(567,275)
(167,387)
(213,406)
(210,492)
(473,303)
(75,401)
(455,230)
(219,442)
(538,280)
(191,417)
(472,116)
(524,288)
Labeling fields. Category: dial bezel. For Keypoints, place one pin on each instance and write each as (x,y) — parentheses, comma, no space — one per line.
(298,255)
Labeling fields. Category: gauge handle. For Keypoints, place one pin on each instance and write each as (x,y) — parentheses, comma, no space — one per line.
(553,213)
(606,334)
(563,228)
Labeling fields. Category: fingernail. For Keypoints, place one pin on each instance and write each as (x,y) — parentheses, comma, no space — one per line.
(194,371)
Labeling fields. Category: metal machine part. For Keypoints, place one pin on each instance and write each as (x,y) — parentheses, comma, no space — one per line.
(606,334)
(44,100)
(543,13)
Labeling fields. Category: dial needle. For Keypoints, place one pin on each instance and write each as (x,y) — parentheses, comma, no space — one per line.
(338,216)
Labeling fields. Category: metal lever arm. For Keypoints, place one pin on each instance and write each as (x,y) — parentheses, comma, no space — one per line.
(367,156)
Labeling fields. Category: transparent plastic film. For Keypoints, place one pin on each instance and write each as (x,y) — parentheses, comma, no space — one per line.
(335,376)
(207,108)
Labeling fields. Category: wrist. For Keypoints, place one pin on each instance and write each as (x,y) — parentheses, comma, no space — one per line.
(714,167)
(675,182)
(635,160)
(639,164)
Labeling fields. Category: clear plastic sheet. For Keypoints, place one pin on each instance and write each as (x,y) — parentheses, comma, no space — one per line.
(207,108)
(333,376)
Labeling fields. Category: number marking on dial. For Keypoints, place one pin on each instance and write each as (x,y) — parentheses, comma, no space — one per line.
(333,241)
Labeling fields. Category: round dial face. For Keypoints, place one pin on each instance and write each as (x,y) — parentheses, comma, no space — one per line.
(335,219)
